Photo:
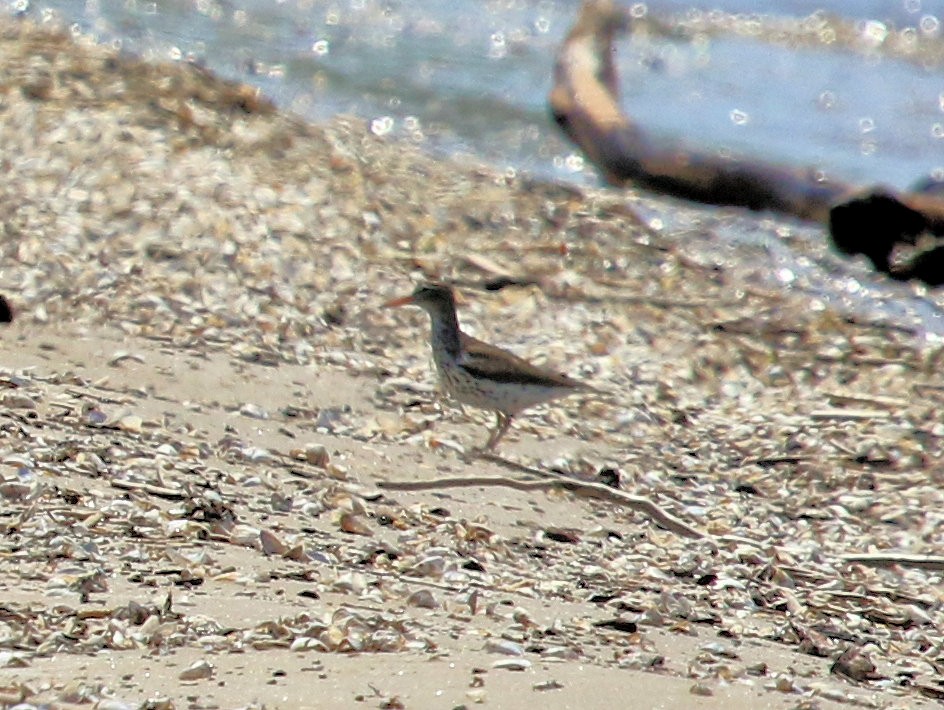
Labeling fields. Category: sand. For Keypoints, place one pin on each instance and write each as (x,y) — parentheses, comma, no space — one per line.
(203,401)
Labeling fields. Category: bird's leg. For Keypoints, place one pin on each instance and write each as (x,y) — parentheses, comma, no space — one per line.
(502,422)
(490,442)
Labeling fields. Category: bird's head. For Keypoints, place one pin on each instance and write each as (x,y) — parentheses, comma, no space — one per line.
(428,296)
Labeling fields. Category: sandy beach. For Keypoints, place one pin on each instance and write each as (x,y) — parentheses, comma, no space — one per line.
(209,425)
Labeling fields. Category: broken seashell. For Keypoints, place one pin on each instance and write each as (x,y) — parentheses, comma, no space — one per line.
(199,670)
(424,599)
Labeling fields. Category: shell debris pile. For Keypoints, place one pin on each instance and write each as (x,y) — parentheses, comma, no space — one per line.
(202,400)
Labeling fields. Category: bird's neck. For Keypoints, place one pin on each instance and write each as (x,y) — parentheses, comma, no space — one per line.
(445,334)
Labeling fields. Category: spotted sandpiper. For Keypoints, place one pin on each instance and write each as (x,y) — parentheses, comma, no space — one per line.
(479,374)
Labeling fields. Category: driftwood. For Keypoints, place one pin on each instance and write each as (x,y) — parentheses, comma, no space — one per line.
(586,489)
(893,559)
(871,221)
(150,488)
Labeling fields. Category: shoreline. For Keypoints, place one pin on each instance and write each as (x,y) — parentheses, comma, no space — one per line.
(202,396)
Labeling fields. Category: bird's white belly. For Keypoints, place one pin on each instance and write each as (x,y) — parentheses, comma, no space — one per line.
(507,397)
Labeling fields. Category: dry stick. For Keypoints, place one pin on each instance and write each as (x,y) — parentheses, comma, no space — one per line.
(80,394)
(639,503)
(516,466)
(765,461)
(875,400)
(159,491)
(891,559)
(581,488)
(605,491)
(849,414)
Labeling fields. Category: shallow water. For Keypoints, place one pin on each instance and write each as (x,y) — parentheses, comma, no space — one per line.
(472,76)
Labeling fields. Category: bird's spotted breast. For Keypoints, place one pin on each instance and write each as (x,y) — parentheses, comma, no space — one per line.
(506,396)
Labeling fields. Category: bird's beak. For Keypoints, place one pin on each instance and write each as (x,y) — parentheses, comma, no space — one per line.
(396,302)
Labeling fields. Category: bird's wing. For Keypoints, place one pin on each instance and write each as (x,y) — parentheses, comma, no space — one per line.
(484,360)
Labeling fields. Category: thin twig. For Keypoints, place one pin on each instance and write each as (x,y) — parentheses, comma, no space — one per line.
(517,466)
(159,491)
(581,488)
(84,394)
(851,414)
(875,400)
(767,461)
(892,559)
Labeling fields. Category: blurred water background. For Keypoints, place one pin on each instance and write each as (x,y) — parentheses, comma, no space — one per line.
(853,88)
